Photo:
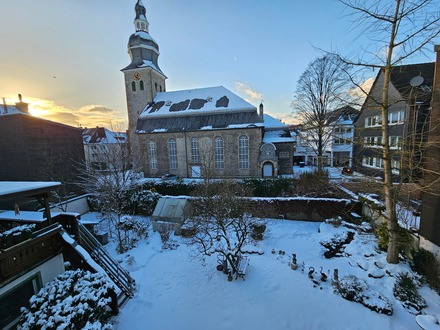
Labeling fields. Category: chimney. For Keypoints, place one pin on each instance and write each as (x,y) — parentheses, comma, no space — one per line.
(22,106)
(5,107)
(261,112)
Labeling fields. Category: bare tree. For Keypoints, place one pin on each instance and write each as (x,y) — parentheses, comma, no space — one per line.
(322,88)
(109,178)
(398,29)
(221,224)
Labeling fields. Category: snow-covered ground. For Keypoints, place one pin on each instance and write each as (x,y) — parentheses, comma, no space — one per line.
(177,290)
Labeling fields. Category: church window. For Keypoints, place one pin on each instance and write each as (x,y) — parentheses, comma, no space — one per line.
(195,158)
(141,85)
(160,87)
(172,153)
(243,152)
(219,162)
(143,26)
(155,87)
(152,153)
(133,86)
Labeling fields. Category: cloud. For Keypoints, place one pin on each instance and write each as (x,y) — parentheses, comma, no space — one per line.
(251,94)
(360,92)
(286,118)
(86,116)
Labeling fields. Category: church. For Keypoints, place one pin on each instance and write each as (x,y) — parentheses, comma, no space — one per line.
(205,132)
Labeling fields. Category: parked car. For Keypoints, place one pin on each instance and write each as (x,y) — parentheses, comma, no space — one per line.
(347,170)
(168,176)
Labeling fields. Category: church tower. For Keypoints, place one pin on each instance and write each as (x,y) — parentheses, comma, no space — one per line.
(143,77)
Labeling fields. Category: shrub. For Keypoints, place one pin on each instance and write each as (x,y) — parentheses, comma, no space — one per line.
(425,263)
(269,187)
(144,201)
(355,289)
(405,239)
(171,188)
(16,235)
(74,300)
(405,290)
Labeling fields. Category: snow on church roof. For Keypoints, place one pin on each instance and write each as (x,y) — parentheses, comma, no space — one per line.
(195,101)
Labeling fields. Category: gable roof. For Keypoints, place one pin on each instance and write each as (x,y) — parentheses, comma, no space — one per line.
(402,75)
(196,109)
(102,135)
(343,116)
(195,101)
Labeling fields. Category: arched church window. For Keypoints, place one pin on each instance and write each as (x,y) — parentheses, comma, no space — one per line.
(155,87)
(143,26)
(137,26)
(160,87)
(141,85)
(133,86)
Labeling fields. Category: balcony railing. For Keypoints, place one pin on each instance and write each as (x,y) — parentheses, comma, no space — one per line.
(19,258)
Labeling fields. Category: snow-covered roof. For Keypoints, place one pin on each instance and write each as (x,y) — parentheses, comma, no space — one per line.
(277,137)
(13,187)
(10,110)
(102,135)
(194,102)
(271,122)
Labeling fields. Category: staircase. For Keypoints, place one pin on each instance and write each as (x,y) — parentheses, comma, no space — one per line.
(117,274)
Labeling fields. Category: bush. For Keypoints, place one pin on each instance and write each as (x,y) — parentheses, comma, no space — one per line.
(355,289)
(425,263)
(405,290)
(16,235)
(144,201)
(269,187)
(171,188)
(74,300)
(405,239)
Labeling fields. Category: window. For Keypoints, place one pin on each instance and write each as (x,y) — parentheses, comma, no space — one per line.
(396,117)
(141,85)
(133,86)
(375,162)
(373,141)
(243,152)
(155,87)
(373,121)
(395,142)
(395,166)
(218,153)
(152,153)
(172,153)
(195,158)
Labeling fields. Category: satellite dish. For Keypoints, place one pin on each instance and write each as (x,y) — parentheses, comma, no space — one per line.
(416,81)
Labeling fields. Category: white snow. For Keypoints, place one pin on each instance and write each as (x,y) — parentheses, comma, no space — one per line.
(236,103)
(12,187)
(177,290)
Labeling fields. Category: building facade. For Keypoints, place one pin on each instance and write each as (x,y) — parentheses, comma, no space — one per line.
(35,149)
(408,120)
(103,149)
(337,140)
(204,132)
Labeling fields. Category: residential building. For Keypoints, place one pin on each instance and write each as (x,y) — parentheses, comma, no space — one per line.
(200,132)
(430,220)
(103,148)
(408,117)
(337,140)
(35,149)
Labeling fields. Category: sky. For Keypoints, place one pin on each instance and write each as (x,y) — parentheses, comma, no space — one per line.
(65,57)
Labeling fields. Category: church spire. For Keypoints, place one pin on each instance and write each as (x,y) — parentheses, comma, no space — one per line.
(140,21)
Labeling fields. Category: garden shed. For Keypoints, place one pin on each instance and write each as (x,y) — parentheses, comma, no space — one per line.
(170,213)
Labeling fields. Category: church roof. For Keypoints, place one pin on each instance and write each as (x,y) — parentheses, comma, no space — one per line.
(196,109)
